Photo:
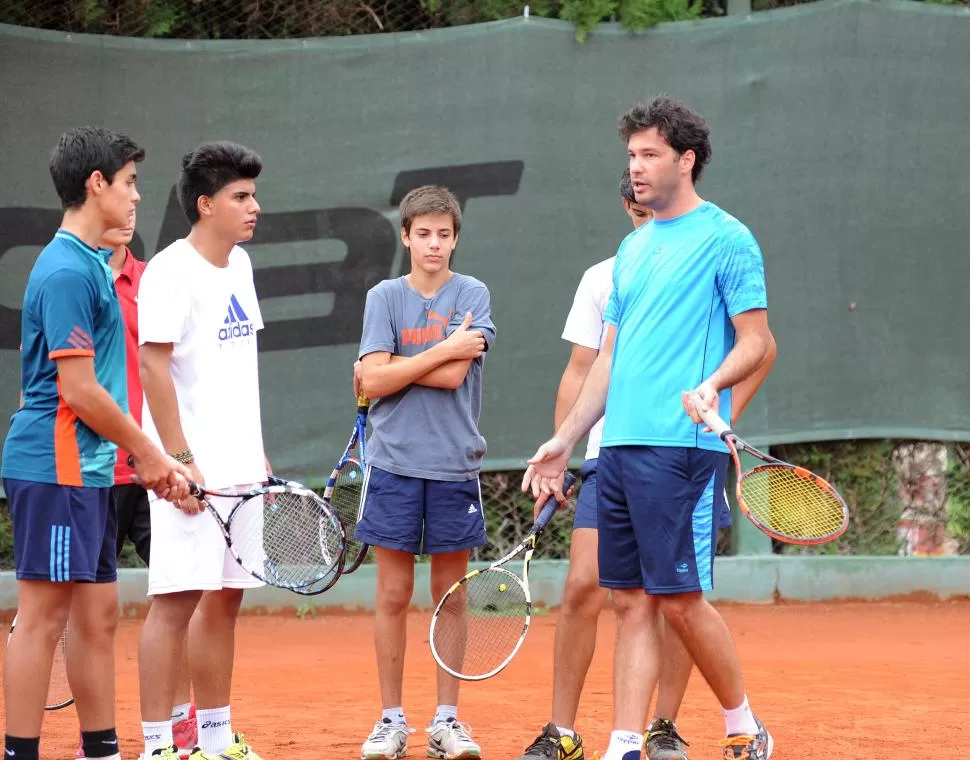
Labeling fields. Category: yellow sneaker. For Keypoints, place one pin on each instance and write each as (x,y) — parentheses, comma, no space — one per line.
(549,745)
(238,750)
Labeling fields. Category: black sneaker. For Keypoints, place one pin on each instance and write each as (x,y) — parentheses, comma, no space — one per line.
(549,745)
(663,742)
(747,747)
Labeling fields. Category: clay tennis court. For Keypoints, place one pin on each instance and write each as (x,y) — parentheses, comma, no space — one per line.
(831,680)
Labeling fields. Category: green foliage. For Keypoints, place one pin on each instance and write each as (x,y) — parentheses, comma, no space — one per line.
(129,557)
(958,491)
(276,19)
(306,611)
(864,475)
(635,15)
(638,15)
(586,14)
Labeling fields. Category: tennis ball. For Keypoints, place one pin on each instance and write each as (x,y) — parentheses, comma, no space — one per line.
(502,587)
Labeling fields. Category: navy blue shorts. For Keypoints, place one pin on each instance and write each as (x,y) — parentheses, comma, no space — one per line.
(658,510)
(420,516)
(62,533)
(585,515)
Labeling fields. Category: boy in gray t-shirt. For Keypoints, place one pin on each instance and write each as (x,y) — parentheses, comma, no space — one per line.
(421,357)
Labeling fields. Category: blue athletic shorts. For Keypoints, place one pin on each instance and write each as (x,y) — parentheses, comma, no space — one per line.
(62,533)
(657,515)
(420,516)
(585,515)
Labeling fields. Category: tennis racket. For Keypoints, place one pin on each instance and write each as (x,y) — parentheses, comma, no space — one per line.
(787,502)
(58,690)
(345,487)
(480,623)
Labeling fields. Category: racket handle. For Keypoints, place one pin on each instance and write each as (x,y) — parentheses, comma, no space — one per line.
(362,402)
(711,418)
(552,504)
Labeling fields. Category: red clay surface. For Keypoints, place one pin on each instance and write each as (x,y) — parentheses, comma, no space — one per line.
(842,680)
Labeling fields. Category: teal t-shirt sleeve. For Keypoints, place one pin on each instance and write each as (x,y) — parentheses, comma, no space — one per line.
(478,301)
(378,331)
(741,276)
(67,302)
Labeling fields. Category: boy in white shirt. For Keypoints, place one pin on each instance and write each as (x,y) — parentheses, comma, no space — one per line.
(198,318)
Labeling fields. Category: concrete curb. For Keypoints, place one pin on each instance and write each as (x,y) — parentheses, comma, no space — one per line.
(762,579)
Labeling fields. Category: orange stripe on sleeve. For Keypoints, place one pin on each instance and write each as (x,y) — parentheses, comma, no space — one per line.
(67,456)
(84,335)
(62,352)
(80,340)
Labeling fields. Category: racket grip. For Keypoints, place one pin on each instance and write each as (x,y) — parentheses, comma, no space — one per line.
(711,418)
(552,504)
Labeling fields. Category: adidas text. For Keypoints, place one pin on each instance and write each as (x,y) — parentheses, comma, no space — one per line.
(237,330)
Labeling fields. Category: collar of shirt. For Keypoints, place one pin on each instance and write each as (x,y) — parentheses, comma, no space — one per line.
(128,268)
(97,254)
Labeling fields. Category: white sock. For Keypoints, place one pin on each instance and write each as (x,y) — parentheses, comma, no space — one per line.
(566,732)
(215,730)
(624,745)
(444,712)
(740,720)
(157,736)
(181,712)
(395,715)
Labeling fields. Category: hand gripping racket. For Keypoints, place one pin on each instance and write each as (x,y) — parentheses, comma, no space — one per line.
(787,502)
(281,533)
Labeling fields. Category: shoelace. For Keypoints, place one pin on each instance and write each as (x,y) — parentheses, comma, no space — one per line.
(742,742)
(383,730)
(463,730)
(738,740)
(667,737)
(548,745)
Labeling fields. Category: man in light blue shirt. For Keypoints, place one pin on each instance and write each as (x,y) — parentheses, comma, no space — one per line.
(688,311)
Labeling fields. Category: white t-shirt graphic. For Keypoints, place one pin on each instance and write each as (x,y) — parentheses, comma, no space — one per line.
(584,325)
(212,316)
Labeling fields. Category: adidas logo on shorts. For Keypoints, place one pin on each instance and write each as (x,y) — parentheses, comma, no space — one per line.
(472,509)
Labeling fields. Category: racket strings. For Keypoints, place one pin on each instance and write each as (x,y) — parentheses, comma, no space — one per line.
(288,539)
(792,504)
(480,624)
(59,690)
(345,499)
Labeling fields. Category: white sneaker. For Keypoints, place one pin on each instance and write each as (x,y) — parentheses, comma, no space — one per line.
(452,740)
(387,740)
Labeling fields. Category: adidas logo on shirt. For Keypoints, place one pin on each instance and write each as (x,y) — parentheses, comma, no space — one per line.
(237,324)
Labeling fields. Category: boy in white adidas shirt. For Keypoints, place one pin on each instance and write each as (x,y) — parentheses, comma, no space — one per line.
(198,318)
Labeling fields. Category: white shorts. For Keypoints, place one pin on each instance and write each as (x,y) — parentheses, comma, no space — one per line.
(189,552)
